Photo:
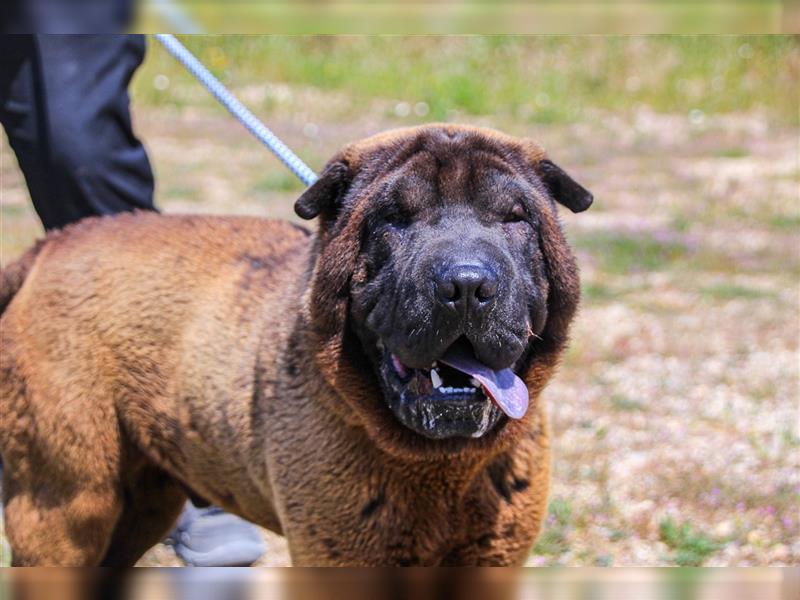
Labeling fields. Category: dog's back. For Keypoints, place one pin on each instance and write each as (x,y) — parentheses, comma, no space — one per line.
(85,389)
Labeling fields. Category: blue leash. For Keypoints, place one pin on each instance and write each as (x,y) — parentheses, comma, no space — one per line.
(237,109)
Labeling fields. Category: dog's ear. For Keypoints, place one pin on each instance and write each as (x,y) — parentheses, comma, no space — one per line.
(563,188)
(325,194)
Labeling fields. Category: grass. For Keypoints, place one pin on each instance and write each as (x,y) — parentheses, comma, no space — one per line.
(180,192)
(554,541)
(732,152)
(484,16)
(624,404)
(784,222)
(728,291)
(543,79)
(620,253)
(690,548)
(278,182)
(597,292)
(680,223)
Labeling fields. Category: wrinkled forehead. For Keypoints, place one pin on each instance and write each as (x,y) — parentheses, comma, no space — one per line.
(444,143)
(457,167)
(476,177)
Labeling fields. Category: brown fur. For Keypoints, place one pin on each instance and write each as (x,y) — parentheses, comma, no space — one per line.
(144,356)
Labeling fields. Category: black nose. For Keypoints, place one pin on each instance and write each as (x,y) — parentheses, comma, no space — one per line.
(466,285)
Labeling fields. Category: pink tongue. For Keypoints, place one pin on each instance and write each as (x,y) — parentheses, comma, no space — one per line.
(507,390)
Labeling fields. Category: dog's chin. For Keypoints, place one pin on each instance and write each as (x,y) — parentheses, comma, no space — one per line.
(439,402)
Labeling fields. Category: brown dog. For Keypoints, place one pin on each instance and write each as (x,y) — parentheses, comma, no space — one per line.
(358,390)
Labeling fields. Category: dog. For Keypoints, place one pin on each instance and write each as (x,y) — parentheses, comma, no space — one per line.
(370,391)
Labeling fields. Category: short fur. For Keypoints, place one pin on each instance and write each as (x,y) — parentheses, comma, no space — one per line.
(147,357)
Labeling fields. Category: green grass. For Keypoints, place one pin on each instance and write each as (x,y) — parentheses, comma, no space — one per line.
(790,438)
(690,547)
(680,223)
(553,541)
(617,535)
(728,291)
(621,253)
(13,210)
(471,16)
(785,222)
(597,292)
(278,181)
(180,192)
(625,404)
(732,152)
(540,79)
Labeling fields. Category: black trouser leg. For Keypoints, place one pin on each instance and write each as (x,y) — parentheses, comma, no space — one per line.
(64,105)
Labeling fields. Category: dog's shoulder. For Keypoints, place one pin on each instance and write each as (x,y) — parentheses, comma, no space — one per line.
(146,225)
(165,259)
(209,238)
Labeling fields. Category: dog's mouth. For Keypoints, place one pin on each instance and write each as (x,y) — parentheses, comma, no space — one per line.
(457,396)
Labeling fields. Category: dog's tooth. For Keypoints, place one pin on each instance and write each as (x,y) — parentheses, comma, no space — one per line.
(475,382)
(436,380)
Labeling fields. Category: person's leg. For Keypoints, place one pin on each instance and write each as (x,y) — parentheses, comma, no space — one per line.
(210,537)
(63,16)
(64,106)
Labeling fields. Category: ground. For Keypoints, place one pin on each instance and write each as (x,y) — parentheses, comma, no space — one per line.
(675,413)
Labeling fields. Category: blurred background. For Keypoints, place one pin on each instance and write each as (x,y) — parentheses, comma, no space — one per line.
(402,584)
(472,16)
(675,413)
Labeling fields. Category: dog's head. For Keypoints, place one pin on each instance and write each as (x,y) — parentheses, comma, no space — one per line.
(442,287)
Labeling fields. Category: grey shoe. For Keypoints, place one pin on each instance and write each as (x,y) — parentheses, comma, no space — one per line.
(210,537)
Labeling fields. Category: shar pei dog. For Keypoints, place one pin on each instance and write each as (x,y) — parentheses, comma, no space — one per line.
(370,390)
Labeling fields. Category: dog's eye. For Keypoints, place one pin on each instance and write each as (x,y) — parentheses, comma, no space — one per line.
(517,214)
(397,218)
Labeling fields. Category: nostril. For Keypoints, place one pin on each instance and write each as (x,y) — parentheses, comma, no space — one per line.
(446,289)
(487,289)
